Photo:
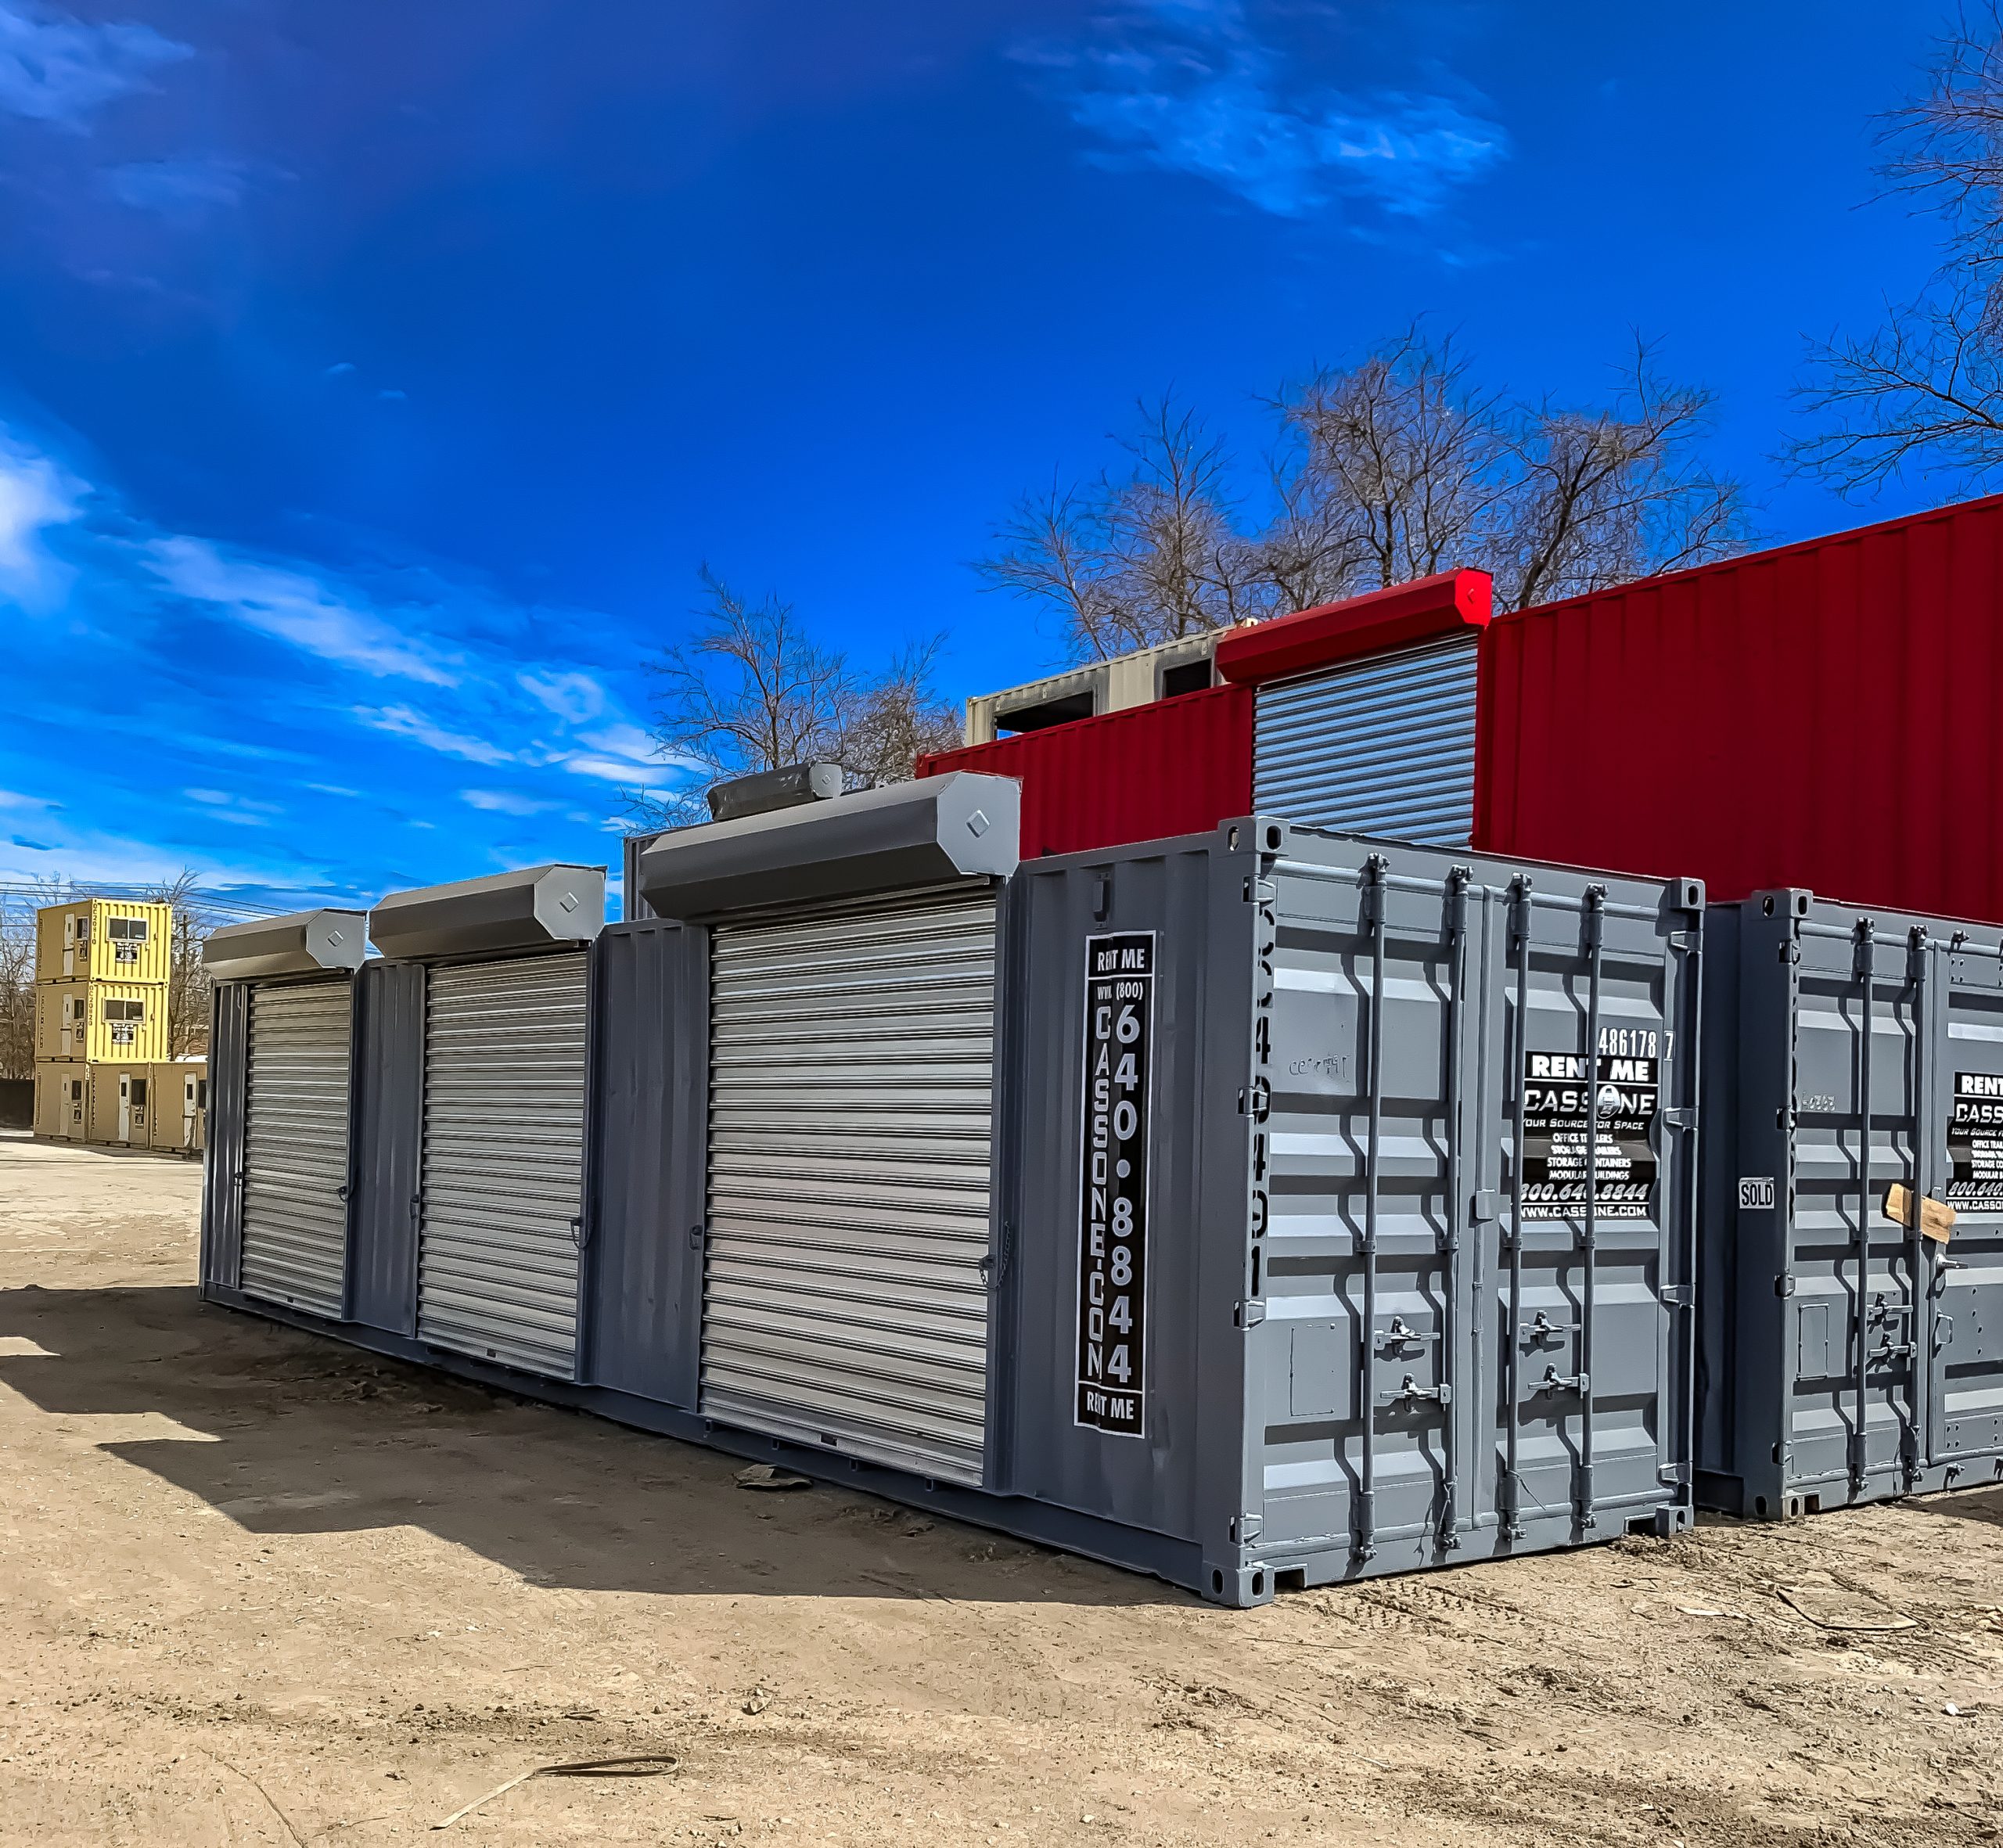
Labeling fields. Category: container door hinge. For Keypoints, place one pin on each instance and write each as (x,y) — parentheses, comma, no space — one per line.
(1257,1101)
(1246,1528)
(1673,1475)
(1784,1286)
(1790,951)
(1679,1296)
(1686,940)
(697,1234)
(1261,892)
(1251,1315)
(1682,1117)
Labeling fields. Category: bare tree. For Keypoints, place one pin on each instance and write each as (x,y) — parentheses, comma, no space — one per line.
(17,995)
(1394,467)
(1926,386)
(1146,554)
(1403,470)
(751,690)
(1598,497)
(189,988)
(894,721)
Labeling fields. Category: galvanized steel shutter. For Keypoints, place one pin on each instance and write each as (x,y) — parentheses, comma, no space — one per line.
(295,1145)
(845,1301)
(1383,746)
(503,1165)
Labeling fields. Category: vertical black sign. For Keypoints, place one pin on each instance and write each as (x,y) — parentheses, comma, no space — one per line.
(1562,1092)
(1112,1201)
(1975,1142)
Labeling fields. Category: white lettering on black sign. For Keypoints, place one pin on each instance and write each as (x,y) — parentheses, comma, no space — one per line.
(1113,1216)
(1622,1088)
(1975,1142)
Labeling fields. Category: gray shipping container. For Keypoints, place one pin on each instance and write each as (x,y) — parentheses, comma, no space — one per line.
(1161,1204)
(1844,1356)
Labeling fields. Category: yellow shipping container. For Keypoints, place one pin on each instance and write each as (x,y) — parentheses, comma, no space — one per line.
(102,1021)
(104,939)
(62,1101)
(178,1113)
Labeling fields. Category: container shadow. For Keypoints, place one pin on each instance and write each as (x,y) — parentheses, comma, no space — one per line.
(290,1432)
(1969,1505)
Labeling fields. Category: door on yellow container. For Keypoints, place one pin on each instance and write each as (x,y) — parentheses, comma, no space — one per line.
(76,1108)
(188,1111)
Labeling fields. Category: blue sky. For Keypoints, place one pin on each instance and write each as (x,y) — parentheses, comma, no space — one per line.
(373,384)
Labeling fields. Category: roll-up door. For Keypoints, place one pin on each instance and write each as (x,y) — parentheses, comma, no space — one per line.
(845,1299)
(1383,745)
(503,1167)
(295,1145)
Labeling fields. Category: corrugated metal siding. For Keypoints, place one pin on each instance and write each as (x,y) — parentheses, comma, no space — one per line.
(503,1165)
(1821,716)
(649,1117)
(222,1160)
(1383,747)
(851,1109)
(295,1145)
(389,1132)
(1179,766)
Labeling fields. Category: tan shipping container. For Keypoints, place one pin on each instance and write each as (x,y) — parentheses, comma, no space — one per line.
(104,939)
(121,1105)
(178,1114)
(120,1023)
(62,1101)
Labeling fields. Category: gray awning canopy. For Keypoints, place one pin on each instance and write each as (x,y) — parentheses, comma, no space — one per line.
(937,829)
(297,945)
(535,908)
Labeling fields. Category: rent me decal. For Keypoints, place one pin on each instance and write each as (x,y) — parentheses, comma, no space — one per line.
(1562,1098)
(1112,1219)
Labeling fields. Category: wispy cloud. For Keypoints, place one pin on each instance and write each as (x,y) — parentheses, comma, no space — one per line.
(56,68)
(348,699)
(577,697)
(185,190)
(34,495)
(1192,88)
(505,802)
(295,606)
(402,721)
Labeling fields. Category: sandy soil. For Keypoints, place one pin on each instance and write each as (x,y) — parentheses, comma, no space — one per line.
(259,1587)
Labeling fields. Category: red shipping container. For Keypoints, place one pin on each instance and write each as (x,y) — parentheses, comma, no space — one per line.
(1823,714)
(1179,766)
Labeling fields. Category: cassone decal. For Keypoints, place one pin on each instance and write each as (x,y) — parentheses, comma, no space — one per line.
(1974,1143)
(1625,1090)
(1113,1197)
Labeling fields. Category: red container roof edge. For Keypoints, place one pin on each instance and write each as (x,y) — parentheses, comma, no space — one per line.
(1368,625)
(1739,561)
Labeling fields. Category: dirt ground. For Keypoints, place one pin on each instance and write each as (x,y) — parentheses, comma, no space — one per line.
(256,1586)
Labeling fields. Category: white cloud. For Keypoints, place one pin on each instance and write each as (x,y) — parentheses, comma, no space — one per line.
(574,697)
(504,802)
(55,68)
(1192,89)
(14,799)
(34,494)
(400,721)
(331,789)
(293,605)
(215,795)
(620,770)
(621,741)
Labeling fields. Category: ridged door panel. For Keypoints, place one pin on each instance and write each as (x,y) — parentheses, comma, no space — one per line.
(850,1092)
(1383,747)
(295,1145)
(503,1161)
